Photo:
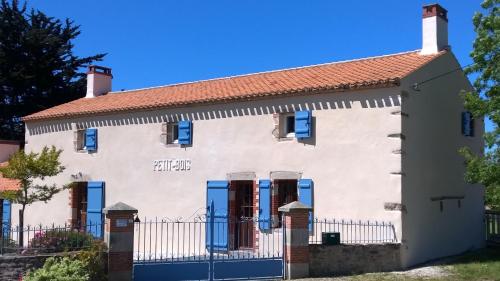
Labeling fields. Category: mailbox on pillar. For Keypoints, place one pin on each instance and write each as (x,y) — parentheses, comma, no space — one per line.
(119,237)
(296,219)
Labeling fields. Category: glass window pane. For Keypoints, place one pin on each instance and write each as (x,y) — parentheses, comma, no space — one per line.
(175,133)
(290,124)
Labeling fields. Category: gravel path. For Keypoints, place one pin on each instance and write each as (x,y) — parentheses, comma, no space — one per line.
(433,271)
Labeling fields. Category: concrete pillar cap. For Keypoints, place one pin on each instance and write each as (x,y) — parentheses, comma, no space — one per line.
(294,206)
(120,207)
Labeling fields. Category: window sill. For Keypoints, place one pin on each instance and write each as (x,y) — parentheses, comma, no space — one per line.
(172,145)
(285,139)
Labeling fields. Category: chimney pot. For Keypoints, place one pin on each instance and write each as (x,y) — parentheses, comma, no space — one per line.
(434,10)
(98,81)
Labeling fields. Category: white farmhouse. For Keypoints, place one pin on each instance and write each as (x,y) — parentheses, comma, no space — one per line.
(372,138)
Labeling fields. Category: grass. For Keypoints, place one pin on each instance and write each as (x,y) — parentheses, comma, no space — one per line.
(481,265)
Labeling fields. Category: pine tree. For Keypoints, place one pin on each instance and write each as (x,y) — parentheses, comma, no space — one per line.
(38,69)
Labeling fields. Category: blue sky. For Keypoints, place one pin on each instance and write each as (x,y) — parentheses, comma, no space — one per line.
(151,43)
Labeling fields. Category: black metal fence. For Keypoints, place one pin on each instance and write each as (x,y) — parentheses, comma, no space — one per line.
(492,224)
(46,239)
(162,240)
(354,232)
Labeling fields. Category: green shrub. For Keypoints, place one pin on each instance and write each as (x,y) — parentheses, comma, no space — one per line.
(60,269)
(95,259)
(88,265)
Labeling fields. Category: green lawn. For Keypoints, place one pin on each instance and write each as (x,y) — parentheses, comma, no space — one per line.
(483,265)
(480,265)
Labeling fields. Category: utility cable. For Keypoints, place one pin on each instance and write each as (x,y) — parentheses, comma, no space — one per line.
(417,84)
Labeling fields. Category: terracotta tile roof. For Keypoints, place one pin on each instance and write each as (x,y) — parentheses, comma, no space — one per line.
(7,184)
(384,71)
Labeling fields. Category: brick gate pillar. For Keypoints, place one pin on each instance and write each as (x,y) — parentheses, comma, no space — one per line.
(296,219)
(119,237)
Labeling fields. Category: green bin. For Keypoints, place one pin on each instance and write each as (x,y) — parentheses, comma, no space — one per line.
(330,238)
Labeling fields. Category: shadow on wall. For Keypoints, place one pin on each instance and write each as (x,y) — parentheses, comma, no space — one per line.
(312,139)
(338,101)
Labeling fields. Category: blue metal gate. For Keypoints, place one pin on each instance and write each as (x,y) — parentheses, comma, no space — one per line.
(180,250)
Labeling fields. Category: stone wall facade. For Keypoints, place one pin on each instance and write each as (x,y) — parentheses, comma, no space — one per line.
(13,266)
(326,260)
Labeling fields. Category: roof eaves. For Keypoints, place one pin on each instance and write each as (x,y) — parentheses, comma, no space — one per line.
(298,91)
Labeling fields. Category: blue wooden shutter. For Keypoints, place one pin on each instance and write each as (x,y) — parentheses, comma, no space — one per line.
(467,124)
(185,132)
(91,139)
(306,196)
(218,191)
(6,215)
(303,124)
(264,204)
(95,204)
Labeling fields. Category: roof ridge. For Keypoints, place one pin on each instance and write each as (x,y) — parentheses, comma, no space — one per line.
(262,72)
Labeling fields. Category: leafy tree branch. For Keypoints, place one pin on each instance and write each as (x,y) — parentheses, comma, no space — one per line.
(484,168)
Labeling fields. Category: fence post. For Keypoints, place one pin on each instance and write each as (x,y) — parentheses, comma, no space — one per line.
(119,237)
(487,224)
(296,220)
(211,249)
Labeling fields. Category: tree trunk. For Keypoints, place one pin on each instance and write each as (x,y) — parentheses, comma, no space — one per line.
(21,227)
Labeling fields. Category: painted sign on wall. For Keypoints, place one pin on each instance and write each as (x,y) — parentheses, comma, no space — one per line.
(168,165)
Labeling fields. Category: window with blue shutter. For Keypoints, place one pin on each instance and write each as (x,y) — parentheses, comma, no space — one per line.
(185,132)
(6,217)
(218,192)
(264,204)
(91,139)
(303,124)
(467,124)
(95,204)
(306,197)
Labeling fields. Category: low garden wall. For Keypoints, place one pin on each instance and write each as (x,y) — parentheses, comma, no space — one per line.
(11,266)
(346,259)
